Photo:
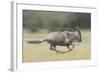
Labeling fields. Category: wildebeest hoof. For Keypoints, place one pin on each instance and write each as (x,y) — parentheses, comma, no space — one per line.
(69,50)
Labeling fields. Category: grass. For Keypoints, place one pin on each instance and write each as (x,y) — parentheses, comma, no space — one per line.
(41,52)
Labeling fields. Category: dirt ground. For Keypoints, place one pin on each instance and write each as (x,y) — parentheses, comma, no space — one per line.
(41,52)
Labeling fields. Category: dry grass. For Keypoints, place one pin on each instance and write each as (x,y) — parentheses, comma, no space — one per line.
(41,52)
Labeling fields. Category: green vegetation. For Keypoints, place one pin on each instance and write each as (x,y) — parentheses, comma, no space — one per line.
(52,21)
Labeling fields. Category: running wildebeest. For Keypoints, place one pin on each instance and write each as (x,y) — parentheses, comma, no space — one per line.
(62,38)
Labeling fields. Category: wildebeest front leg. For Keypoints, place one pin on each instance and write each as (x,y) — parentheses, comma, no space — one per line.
(70,47)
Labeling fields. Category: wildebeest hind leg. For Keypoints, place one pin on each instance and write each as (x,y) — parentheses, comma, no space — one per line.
(53,47)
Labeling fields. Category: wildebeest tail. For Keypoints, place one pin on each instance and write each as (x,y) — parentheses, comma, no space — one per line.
(36,41)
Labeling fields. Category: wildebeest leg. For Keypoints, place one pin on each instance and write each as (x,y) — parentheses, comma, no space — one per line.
(53,47)
(50,47)
(70,48)
(57,51)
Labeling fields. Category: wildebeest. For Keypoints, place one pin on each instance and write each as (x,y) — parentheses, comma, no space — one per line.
(62,38)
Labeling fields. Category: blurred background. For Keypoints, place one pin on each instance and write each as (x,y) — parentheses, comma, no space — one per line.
(35,21)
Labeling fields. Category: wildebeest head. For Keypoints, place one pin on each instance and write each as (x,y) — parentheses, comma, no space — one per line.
(74,35)
(78,34)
